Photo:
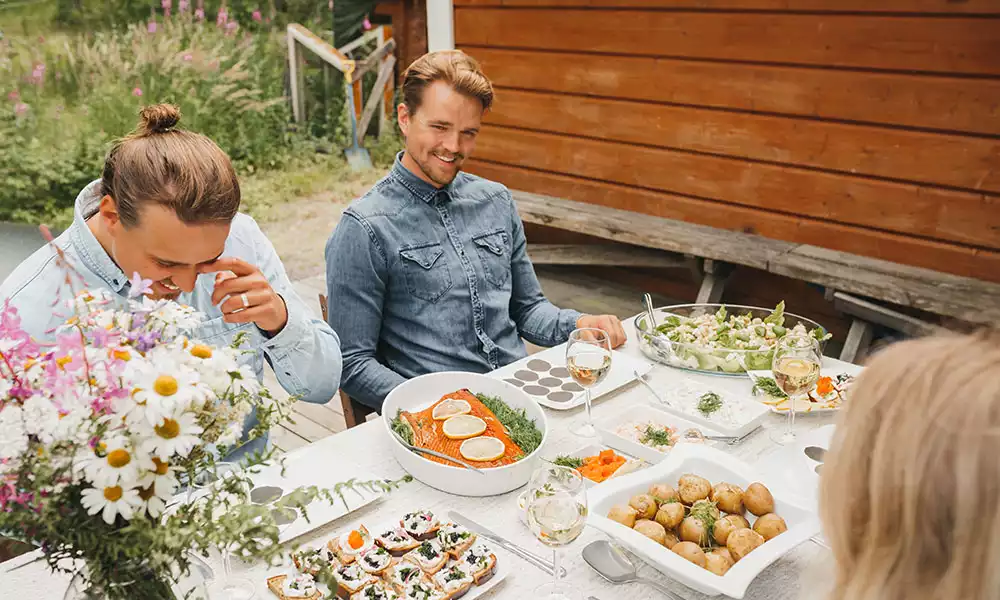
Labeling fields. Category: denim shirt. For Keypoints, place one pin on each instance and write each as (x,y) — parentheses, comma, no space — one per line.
(422,280)
(305,355)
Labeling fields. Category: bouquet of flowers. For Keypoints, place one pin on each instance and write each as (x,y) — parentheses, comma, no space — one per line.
(100,431)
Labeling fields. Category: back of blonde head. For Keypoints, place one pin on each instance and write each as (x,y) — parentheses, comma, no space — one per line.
(910,497)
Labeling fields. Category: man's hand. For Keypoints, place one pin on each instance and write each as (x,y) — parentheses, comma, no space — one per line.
(251,299)
(609,324)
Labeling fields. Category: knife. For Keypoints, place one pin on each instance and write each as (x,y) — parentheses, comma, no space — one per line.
(538,561)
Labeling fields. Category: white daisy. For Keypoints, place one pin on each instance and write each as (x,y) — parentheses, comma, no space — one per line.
(155,497)
(244,379)
(111,501)
(13,437)
(176,434)
(163,388)
(158,472)
(113,462)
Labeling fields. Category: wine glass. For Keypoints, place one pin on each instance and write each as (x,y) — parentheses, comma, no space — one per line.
(557,514)
(588,359)
(795,368)
(229,587)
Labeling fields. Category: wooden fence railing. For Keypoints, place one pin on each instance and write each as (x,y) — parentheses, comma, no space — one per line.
(382,60)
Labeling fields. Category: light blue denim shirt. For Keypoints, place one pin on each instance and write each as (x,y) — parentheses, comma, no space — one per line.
(422,280)
(305,355)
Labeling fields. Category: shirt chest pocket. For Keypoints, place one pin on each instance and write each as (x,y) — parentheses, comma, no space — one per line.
(494,253)
(426,271)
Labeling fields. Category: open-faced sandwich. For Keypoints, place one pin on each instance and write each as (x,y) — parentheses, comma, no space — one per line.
(454,580)
(396,541)
(480,562)
(401,574)
(455,539)
(376,591)
(428,556)
(375,560)
(294,587)
(351,544)
(420,525)
(351,579)
(423,591)
(314,560)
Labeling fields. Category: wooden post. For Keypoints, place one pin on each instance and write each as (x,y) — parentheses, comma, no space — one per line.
(384,116)
(296,80)
(376,99)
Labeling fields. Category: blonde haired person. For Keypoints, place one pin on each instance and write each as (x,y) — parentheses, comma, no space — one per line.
(166,207)
(910,496)
(429,271)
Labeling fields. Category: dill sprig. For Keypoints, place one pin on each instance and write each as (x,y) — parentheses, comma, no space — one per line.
(520,428)
(768,386)
(659,437)
(402,427)
(572,462)
(708,403)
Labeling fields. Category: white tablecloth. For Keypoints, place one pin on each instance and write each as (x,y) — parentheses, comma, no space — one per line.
(366,448)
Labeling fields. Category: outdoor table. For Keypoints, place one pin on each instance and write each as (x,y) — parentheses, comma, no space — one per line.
(366,448)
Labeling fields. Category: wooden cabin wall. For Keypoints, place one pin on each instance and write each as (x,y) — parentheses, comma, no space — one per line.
(866,127)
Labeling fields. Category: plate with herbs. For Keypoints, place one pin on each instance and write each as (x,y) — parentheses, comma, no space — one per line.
(598,463)
(650,434)
(732,413)
(829,394)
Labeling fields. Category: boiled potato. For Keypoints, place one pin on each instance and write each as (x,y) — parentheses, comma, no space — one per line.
(692,488)
(652,530)
(645,505)
(758,499)
(705,510)
(742,542)
(626,515)
(693,529)
(670,514)
(728,497)
(671,539)
(691,552)
(726,525)
(663,492)
(717,563)
(770,525)
(724,552)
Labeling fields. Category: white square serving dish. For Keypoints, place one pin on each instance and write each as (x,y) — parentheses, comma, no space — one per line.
(607,429)
(716,466)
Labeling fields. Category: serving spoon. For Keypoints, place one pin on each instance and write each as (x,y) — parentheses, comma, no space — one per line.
(612,564)
(420,450)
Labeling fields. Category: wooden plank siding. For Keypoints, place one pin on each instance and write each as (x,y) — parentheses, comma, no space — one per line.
(874,131)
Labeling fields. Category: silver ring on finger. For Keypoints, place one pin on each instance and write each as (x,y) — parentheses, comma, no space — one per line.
(246,301)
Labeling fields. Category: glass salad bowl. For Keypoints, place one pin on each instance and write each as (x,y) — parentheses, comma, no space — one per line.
(720,339)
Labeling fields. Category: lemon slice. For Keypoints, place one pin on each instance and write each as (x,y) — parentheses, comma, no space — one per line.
(482,449)
(463,426)
(450,408)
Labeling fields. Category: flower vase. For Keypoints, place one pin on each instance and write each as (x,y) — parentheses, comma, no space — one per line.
(145,584)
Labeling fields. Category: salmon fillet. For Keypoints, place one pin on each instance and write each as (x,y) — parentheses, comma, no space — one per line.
(428,433)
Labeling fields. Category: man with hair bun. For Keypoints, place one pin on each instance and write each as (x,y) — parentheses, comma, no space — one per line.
(166,207)
(429,270)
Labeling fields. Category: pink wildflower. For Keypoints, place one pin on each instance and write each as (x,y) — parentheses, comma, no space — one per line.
(256,16)
(188,57)
(200,14)
(20,108)
(166,4)
(13,96)
(221,19)
(366,23)
(137,92)
(151,28)
(182,5)
(231,27)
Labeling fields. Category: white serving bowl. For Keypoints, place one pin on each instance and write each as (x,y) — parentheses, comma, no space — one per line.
(716,466)
(420,392)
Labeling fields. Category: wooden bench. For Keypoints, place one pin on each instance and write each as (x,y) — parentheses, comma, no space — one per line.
(355,413)
(853,283)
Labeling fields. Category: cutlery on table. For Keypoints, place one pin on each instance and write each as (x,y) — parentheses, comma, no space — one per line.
(696,435)
(612,564)
(642,377)
(538,561)
(648,301)
(436,453)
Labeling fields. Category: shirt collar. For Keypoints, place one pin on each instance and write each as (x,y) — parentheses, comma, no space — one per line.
(417,186)
(91,252)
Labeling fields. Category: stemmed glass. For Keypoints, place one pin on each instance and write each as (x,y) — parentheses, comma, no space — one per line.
(795,367)
(229,587)
(557,515)
(588,359)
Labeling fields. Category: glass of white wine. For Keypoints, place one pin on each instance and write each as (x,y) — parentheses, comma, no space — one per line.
(796,368)
(588,359)
(557,515)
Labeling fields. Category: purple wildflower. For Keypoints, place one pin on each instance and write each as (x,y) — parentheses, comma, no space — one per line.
(139,286)
(151,27)
(366,23)
(137,92)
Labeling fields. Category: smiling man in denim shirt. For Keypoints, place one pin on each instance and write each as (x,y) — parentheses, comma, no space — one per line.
(429,270)
(166,207)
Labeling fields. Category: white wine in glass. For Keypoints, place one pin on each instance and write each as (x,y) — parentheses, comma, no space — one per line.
(557,515)
(588,359)
(796,367)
